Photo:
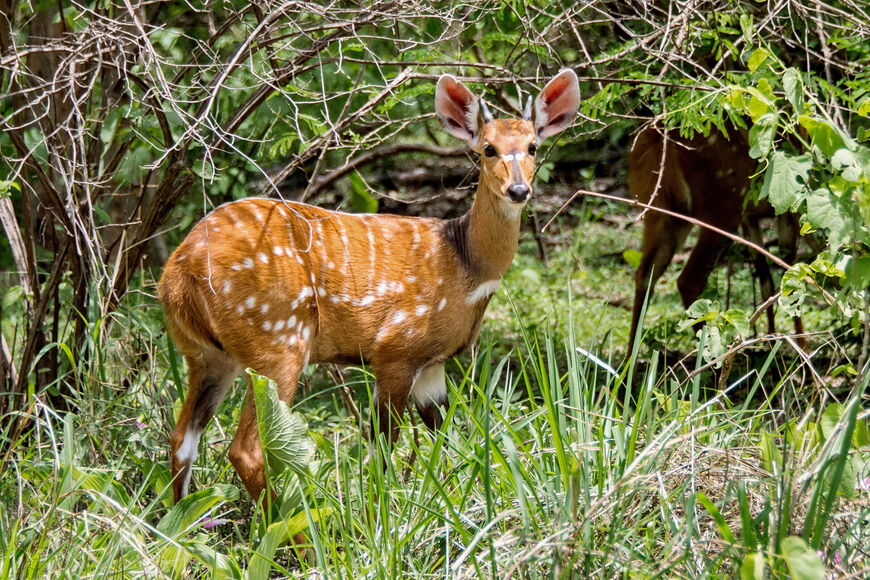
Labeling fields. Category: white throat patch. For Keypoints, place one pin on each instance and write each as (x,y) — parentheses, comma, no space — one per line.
(483,291)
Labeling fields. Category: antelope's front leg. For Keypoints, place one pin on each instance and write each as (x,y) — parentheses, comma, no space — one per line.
(394,381)
(430,395)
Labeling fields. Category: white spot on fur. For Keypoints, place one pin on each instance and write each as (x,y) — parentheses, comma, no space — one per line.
(263,257)
(398,317)
(366,300)
(421,310)
(240,309)
(442,304)
(265,308)
(236,267)
(278,250)
(300,260)
(382,288)
(267,326)
(411,279)
(321,291)
(250,302)
(306,333)
(291,321)
(330,265)
(248,263)
(227,285)
(483,291)
(430,385)
(279,325)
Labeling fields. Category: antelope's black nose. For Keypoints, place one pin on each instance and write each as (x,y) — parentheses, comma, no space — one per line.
(519,192)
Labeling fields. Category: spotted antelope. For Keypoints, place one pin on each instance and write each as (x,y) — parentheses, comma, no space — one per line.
(275,285)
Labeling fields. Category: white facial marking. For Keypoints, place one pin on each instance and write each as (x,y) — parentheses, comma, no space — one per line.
(430,385)
(483,291)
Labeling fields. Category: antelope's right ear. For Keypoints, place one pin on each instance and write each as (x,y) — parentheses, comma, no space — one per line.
(457,109)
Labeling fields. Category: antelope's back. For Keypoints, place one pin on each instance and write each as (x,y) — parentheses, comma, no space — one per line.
(357,284)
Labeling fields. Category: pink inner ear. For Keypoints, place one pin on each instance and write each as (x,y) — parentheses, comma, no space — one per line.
(555,89)
(458,94)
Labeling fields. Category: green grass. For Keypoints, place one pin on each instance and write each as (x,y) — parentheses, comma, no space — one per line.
(541,470)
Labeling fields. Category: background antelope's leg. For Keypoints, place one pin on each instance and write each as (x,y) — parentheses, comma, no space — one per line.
(662,237)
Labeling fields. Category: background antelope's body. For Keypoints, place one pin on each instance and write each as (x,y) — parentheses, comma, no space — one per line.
(274,285)
(707,178)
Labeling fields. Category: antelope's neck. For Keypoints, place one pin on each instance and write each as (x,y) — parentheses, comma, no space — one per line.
(486,237)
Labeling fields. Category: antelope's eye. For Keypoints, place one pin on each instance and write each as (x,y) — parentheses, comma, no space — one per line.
(533,149)
(489,151)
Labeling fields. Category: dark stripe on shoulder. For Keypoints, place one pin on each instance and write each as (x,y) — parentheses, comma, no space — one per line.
(455,232)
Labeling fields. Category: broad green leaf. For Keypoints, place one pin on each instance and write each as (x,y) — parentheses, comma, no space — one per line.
(757,58)
(785,180)
(858,273)
(791,82)
(190,509)
(846,163)
(830,417)
(826,211)
(283,434)
(803,562)
(753,567)
(864,107)
(824,135)
(182,517)
(761,136)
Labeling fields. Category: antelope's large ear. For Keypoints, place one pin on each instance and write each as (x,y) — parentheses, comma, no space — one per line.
(457,109)
(557,104)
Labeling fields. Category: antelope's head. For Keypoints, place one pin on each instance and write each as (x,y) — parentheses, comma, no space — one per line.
(507,147)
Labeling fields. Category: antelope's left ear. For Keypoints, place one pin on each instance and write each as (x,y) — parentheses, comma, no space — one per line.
(556,106)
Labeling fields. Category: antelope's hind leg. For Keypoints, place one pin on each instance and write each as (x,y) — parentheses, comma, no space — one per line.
(210,374)
(246,452)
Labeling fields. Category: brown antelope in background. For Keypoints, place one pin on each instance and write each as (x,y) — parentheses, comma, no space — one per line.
(274,285)
(706,178)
